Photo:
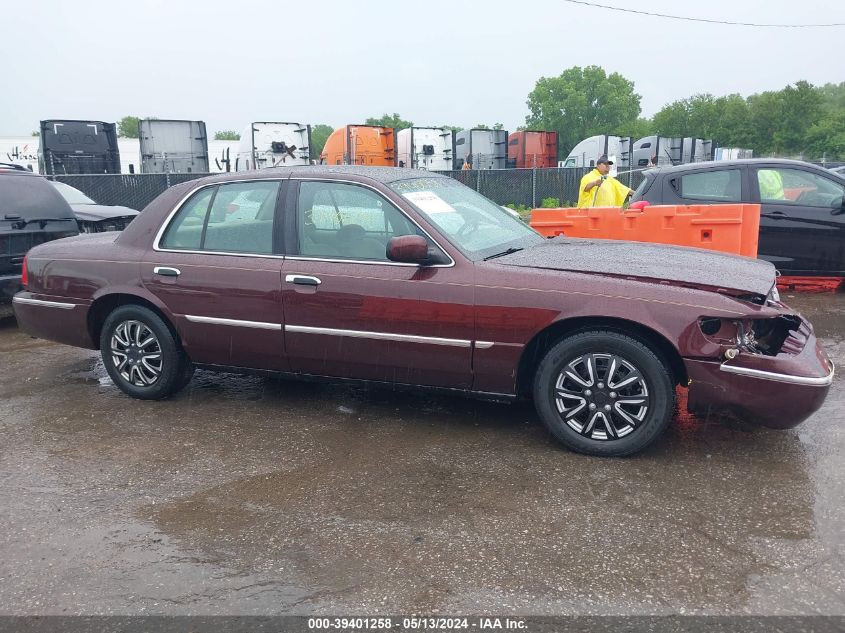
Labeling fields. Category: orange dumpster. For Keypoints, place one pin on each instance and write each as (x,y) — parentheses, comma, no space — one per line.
(730,228)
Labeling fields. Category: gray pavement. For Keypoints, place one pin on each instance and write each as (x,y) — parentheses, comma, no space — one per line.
(246,495)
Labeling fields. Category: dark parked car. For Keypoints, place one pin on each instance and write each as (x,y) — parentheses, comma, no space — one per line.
(408,278)
(31,212)
(93,217)
(802,217)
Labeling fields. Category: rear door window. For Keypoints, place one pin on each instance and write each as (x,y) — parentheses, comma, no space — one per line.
(230,218)
(722,185)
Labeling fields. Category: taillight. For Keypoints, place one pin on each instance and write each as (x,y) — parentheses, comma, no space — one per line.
(24,275)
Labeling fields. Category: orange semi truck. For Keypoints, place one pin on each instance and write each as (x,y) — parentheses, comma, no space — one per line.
(532,148)
(360,145)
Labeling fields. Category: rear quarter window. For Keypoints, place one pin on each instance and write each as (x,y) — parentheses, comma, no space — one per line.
(723,185)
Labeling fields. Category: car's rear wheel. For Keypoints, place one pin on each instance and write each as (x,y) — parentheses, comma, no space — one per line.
(604,393)
(142,355)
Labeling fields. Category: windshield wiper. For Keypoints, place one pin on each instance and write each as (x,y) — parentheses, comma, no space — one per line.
(503,253)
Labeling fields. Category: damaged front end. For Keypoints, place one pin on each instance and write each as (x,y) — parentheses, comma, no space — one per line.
(766,367)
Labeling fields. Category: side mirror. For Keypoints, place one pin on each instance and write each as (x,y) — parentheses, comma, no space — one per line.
(409,249)
(838,206)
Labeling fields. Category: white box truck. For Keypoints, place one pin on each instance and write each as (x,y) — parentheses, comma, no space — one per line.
(173,147)
(429,148)
(488,149)
(273,144)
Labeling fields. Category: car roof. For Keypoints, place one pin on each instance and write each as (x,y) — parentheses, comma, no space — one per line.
(339,172)
(729,163)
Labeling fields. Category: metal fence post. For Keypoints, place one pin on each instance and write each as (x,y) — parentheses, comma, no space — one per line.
(533,187)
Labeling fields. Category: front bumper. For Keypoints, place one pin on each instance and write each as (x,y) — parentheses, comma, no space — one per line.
(778,392)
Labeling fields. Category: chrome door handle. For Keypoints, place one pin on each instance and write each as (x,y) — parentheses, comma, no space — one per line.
(166,271)
(303,280)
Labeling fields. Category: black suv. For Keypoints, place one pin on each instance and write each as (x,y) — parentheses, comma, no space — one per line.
(802,214)
(31,212)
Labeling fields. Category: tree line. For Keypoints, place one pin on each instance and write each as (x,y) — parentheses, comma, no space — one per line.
(800,120)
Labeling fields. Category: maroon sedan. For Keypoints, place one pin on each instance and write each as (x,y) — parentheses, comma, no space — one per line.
(408,278)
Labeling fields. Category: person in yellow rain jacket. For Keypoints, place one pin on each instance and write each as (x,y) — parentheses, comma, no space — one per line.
(771,184)
(597,189)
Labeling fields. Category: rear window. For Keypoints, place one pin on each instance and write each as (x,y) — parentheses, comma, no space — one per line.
(29,197)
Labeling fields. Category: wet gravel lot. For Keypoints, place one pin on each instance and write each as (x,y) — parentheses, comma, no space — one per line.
(246,495)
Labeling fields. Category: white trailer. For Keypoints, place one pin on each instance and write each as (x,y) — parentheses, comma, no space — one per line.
(672,150)
(20,150)
(173,147)
(488,149)
(273,144)
(588,151)
(430,148)
(732,153)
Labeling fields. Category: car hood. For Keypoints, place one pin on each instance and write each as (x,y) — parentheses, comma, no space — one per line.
(688,266)
(97,212)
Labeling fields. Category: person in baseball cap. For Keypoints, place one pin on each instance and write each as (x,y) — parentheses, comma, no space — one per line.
(599,189)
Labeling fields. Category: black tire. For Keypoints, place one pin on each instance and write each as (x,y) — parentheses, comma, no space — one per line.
(167,368)
(617,418)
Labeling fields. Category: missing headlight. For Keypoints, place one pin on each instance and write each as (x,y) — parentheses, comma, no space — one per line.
(769,334)
(752,336)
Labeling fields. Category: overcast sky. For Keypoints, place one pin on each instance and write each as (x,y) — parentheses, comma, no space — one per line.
(435,62)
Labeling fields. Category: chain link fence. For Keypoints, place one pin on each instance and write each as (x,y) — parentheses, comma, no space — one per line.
(528,188)
(130,190)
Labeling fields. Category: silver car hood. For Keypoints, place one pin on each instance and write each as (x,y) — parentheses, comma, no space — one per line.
(658,262)
(97,212)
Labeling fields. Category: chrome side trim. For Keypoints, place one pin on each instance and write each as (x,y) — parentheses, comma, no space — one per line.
(43,303)
(380,336)
(357,261)
(260,325)
(483,344)
(823,381)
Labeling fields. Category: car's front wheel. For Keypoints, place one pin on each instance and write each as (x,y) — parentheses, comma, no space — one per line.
(604,393)
(141,354)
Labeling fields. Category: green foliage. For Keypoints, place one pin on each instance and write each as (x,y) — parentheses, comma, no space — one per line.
(127,127)
(550,203)
(518,207)
(582,102)
(35,133)
(227,135)
(319,135)
(800,119)
(389,120)
(453,128)
(484,126)
(826,137)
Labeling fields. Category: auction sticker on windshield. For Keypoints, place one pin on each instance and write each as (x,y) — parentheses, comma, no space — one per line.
(429,202)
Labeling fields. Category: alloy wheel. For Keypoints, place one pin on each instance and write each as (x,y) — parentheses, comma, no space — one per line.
(136,353)
(601,396)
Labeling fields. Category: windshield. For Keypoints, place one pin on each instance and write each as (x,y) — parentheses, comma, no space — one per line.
(71,195)
(474,224)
